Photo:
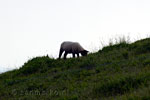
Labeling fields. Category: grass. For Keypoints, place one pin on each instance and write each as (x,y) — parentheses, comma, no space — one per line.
(120,71)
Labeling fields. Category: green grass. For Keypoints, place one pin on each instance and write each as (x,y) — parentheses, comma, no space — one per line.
(119,71)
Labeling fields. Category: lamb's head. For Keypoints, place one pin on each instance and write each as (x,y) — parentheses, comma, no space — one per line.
(84,52)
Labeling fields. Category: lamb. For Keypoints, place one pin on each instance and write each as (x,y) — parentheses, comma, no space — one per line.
(72,47)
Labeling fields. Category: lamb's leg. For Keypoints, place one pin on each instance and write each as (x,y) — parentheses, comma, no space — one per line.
(73,55)
(60,53)
(65,55)
(78,55)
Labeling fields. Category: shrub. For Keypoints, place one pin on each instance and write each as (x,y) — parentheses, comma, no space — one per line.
(36,64)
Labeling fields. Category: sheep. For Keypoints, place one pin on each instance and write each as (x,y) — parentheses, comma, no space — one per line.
(72,47)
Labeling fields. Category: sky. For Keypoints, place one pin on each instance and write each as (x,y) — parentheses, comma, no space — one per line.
(31,28)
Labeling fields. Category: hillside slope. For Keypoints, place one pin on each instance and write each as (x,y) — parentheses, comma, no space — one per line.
(117,72)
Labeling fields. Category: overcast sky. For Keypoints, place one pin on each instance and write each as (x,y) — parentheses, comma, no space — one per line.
(30,28)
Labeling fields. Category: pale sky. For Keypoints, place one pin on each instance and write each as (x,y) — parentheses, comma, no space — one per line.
(30,28)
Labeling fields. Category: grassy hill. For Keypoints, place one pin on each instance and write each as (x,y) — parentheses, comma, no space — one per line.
(117,72)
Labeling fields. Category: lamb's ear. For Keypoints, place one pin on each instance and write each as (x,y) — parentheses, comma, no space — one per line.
(86,51)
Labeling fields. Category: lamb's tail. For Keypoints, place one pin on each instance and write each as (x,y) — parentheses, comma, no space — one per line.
(60,53)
